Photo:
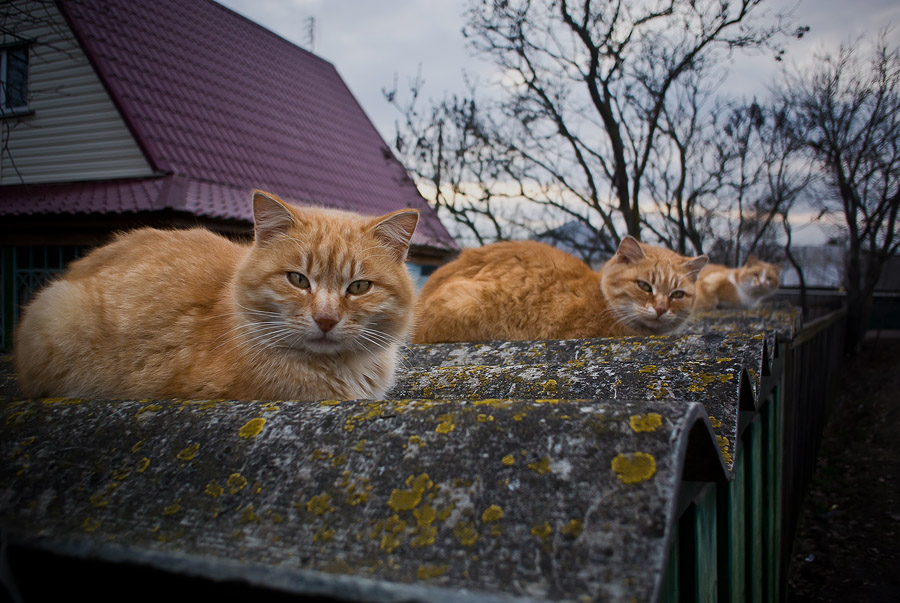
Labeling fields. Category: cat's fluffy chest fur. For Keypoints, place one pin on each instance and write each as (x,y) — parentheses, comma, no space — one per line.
(316,308)
(522,290)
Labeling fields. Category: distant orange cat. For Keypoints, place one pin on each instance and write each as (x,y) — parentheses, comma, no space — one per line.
(744,287)
(524,290)
(316,307)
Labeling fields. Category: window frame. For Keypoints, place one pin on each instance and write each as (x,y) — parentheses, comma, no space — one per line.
(5,109)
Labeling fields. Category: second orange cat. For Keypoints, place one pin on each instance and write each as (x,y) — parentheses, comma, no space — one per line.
(525,290)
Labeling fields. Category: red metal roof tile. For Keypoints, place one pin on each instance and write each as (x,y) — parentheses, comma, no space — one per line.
(230,106)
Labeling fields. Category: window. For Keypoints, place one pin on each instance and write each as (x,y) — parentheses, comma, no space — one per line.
(13,79)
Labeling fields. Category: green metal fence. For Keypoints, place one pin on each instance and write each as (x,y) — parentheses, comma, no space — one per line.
(24,270)
(734,541)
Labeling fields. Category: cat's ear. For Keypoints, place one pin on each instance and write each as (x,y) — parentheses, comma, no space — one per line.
(272,217)
(751,259)
(694,265)
(395,230)
(630,250)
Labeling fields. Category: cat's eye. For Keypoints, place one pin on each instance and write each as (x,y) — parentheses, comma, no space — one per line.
(359,287)
(677,294)
(298,280)
(645,286)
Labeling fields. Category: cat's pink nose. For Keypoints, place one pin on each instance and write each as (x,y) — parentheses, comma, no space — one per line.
(326,323)
(660,310)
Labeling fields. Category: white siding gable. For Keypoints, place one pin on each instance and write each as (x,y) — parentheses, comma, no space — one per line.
(73,130)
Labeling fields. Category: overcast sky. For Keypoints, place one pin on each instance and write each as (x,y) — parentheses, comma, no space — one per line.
(373,42)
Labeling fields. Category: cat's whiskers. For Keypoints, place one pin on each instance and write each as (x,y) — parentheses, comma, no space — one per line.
(384,341)
(260,343)
(256,326)
(253,310)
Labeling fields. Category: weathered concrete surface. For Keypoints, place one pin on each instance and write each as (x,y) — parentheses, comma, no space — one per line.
(622,355)
(557,499)
(536,470)
(783,320)
(636,370)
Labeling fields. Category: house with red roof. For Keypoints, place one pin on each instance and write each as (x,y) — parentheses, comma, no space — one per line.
(116,114)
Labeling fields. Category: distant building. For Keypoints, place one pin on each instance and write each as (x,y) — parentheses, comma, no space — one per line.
(824,268)
(120,113)
(822,265)
(575,238)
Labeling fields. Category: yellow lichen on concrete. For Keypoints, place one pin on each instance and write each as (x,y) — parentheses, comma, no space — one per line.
(635,468)
(540,466)
(549,386)
(427,572)
(425,532)
(392,533)
(320,504)
(252,428)
(542,531)
(90,524)
(320,455)
(715,422)
(148,408)
(213,489)
(573,528)
(137,446)
(406,500)
(248,515)
(648,422)
(446,424)
(508,460)
(236,482)
(66,401)
(650,368)
(724,447)
(172,509)
(189,453)
(143,464)
(465,533)
(492,513)
(16,418)
(358,493)
(323,535)
(101,498)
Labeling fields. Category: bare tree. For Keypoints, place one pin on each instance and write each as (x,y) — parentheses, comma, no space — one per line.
(848,113)
(589,92)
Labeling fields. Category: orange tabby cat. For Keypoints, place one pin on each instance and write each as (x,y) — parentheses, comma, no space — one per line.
(745,286)
(316,307)
(524,290)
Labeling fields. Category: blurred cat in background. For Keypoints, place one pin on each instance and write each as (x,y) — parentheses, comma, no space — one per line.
(316,307)
(744,287)
(525,290)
